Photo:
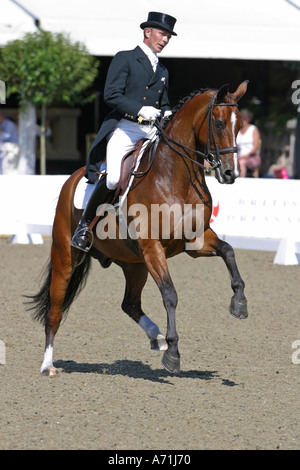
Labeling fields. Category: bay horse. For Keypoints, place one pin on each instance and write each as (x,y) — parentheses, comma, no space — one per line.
(204,126)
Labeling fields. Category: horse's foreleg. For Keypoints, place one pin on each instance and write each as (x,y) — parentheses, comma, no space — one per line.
(156,262)
(59,283)
(213,246)
(136,276)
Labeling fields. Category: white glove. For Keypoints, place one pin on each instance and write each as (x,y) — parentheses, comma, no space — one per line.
(167,113)
(149,113)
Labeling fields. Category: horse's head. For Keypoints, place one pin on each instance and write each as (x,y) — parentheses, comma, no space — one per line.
(217,130)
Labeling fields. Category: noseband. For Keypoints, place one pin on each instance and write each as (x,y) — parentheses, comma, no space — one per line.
(212,155)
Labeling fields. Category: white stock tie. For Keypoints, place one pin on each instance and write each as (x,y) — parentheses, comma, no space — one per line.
(154,62)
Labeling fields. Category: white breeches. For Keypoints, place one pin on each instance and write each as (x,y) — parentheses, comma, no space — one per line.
(120,141)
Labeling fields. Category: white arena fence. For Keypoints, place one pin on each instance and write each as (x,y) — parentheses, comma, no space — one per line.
(252,213)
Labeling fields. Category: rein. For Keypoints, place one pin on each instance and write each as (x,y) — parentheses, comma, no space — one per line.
(212,155)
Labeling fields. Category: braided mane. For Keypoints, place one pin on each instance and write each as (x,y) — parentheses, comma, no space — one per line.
(182,101)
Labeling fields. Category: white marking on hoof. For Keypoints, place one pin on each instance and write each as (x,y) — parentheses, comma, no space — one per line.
(159,343)
(162,343)
(51,372)
(47,366)
(157,340)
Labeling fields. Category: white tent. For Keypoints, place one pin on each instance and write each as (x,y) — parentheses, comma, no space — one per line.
(228,29)
(14,22)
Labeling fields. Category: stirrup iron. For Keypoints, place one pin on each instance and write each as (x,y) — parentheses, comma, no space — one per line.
(84,231)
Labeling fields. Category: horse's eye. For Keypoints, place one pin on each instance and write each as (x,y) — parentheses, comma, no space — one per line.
(220,124)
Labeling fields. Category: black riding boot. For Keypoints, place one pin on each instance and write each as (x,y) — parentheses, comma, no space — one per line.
(100,195)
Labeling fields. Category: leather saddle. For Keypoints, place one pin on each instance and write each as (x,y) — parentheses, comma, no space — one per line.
(128,166)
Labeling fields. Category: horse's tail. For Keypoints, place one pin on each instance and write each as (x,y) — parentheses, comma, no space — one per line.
(40,302)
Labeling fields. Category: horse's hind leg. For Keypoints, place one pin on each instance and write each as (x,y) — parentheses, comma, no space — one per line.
(61,274)
(136,276)
(213,246)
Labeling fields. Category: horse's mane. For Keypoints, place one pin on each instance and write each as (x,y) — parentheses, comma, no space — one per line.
(182,101)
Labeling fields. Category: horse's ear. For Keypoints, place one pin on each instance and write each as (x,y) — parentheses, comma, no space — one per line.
(240,91)
(222,93)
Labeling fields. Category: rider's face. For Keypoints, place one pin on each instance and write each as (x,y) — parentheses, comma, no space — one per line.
(156,39)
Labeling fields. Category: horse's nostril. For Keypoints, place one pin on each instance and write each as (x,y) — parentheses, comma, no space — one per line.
(229,175)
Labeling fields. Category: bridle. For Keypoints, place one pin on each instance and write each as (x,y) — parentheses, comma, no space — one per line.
(212,155)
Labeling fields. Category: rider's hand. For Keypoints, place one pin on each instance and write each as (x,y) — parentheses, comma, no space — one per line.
(167,114)
(149,113)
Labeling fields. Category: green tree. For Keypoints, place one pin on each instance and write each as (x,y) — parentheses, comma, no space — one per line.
(43,68)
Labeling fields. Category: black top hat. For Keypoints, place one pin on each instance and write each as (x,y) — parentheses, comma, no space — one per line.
(160,20)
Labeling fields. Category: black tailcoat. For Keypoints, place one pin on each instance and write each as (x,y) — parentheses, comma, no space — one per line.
(130,84)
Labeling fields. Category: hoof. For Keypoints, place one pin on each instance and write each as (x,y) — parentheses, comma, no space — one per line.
(171,363)
(238,309)
(50,372)
(159,343)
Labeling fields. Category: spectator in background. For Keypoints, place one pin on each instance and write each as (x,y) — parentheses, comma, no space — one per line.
(38,128)
(9,146)
(248,143)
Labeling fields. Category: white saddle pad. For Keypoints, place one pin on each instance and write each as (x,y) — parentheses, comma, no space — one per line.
(83,193)
(85,189)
